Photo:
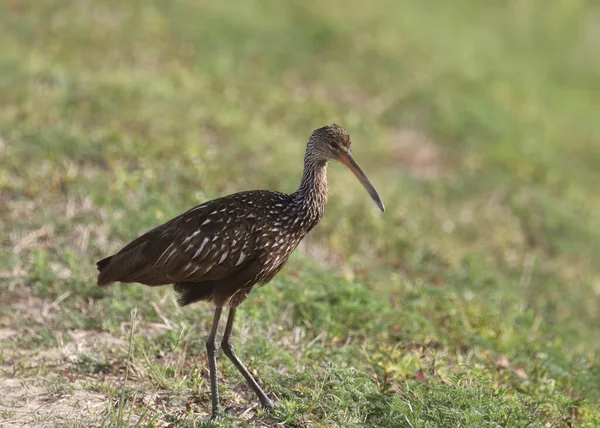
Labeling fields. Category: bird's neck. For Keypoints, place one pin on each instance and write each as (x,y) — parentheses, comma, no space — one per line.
(312,192)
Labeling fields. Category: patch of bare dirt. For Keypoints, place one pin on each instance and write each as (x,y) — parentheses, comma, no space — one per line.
(7,333)
(40,389)
(418,153)
(28,402)
(83,341)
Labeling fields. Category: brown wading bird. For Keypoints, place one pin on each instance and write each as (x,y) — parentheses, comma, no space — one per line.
(219,250)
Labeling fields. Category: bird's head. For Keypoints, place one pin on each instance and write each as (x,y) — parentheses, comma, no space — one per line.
(333,143)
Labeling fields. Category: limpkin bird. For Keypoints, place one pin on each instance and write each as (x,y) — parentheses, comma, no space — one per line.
(220,249)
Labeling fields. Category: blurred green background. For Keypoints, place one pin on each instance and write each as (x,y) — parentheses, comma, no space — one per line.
(474,300)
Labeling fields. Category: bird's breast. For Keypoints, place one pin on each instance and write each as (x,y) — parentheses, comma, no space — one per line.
(275,246)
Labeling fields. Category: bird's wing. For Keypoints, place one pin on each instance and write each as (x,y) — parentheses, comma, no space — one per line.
(208,242)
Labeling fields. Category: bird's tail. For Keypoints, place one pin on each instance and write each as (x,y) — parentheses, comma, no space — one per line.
(102,265)
(129,266)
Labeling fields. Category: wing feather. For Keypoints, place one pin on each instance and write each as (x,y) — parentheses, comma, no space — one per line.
(207,242)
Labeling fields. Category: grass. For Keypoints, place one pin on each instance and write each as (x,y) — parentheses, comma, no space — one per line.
(473,301)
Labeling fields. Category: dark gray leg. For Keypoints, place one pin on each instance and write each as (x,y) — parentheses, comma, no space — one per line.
(228,349)
(211,349)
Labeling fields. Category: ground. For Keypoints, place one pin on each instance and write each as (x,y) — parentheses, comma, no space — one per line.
(474,300)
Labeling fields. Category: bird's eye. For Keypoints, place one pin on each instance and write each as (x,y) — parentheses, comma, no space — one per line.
(333,145)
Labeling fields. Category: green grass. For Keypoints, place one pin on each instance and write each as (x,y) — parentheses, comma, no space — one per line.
(474,300)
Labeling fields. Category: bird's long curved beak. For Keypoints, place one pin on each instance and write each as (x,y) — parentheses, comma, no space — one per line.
(347,159)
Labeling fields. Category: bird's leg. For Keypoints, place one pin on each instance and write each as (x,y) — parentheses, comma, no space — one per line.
(228,350)
(211,349)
